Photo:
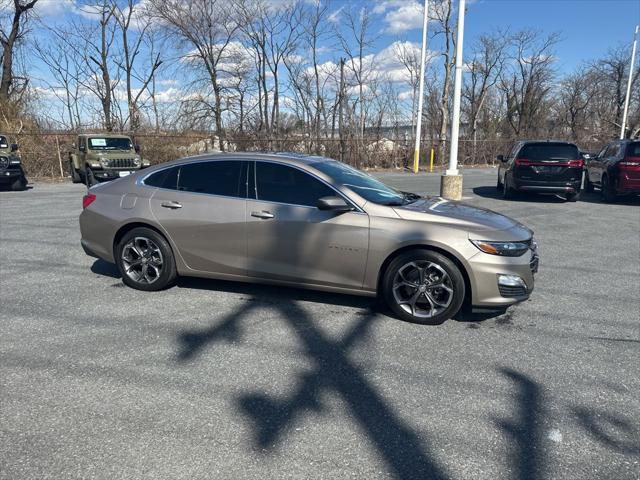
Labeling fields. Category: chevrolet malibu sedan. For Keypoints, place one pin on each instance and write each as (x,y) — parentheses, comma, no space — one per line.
(309,222)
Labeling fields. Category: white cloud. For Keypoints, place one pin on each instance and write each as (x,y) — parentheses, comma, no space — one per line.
(400,15)
(54,8)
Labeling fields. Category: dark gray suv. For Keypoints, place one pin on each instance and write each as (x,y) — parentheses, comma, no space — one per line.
(541,167)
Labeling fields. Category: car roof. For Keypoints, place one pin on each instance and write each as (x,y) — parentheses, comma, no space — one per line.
(110,135)
(564,142)
(287,157)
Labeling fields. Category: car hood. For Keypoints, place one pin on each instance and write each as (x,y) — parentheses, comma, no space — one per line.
(479,222)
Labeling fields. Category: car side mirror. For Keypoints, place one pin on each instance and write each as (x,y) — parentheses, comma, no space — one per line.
(335,204)
(500,158)
(81,148)
(136,147)
(14,147)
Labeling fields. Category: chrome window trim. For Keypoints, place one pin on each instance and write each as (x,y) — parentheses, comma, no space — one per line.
(140,181)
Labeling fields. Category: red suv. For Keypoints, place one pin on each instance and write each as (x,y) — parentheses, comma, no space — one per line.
(616,170)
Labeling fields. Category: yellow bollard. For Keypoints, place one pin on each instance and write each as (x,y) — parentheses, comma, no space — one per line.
(431,161)
(416,160)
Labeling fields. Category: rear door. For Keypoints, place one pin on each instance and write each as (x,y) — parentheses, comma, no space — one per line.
(201,205)
(290,239)
(549,162)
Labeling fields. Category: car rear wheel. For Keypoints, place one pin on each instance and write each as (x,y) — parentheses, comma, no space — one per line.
(507,192)
(499,184)
(588,186)
(608,195)
(145,260)
(422,286)
(572,197)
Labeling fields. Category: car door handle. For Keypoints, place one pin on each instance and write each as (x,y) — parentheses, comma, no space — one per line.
(264,215)
(172,205)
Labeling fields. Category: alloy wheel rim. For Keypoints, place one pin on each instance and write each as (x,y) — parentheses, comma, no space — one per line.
(423,289)
(142,260)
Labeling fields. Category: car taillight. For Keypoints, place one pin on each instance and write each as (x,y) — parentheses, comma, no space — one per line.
(87,200)
(576,163)
(521,162)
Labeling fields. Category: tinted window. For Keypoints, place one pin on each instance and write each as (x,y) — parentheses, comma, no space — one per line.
(283,184)
(216,178)
(549,151)
(364,185)
(633,150)
(167,178)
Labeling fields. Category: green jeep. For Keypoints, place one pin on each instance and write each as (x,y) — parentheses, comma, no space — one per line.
(11,171)
(103,156)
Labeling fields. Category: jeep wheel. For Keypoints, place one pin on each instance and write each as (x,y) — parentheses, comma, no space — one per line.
(75,176)
(145,260)
(89,178)
(19,184)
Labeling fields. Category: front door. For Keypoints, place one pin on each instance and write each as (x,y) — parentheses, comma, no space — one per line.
(290,239)
(202,207)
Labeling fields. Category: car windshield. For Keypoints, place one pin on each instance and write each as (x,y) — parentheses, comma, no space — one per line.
(102,143)
(549,151)
(364,185)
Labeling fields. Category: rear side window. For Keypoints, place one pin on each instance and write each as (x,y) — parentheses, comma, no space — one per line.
(167,178)
(633,150)
(284,184)
(549,151)
(214,178)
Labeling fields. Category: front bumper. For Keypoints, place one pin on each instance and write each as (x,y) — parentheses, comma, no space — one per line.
(9,175)
(485,272)
(106,175)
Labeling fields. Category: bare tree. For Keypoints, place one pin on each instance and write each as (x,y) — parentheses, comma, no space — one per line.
(10,36)
(208,27)
(131,48)
(528,81)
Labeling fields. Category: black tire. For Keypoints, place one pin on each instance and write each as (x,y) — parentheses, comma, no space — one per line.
(507,192)
(167,275)
(19,184)
(394,288)
(89,178)
(588,186)
(75,176)
(608,194)
(499,185)
(572,197)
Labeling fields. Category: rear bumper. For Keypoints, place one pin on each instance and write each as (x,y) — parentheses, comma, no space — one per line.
(627,185)
(547,187)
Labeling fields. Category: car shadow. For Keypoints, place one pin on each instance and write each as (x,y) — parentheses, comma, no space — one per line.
(596,197)
(102,267)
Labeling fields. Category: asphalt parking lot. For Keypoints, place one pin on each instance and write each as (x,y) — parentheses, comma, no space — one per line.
(217,380)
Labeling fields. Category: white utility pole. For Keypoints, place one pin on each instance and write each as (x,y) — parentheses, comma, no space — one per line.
(626,98)
(423,57)
(451,183)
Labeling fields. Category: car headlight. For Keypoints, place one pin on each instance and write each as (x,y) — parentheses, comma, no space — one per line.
(136,161)
(505,249)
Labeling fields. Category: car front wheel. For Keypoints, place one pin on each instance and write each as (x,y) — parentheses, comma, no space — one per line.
(422,286)
(145,260)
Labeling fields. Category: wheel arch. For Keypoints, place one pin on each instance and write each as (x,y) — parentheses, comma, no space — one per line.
(423,246)
(127,227)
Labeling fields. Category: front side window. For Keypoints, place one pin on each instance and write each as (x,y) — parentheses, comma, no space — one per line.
(284,184)
(364,185)
(107,143)
(214,178)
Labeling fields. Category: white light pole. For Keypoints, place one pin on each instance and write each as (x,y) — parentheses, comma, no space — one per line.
(626,98)
(451,182)
(423,57)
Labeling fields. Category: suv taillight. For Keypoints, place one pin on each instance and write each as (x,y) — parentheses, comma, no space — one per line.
(521,162)
(576,163)
(87,200)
